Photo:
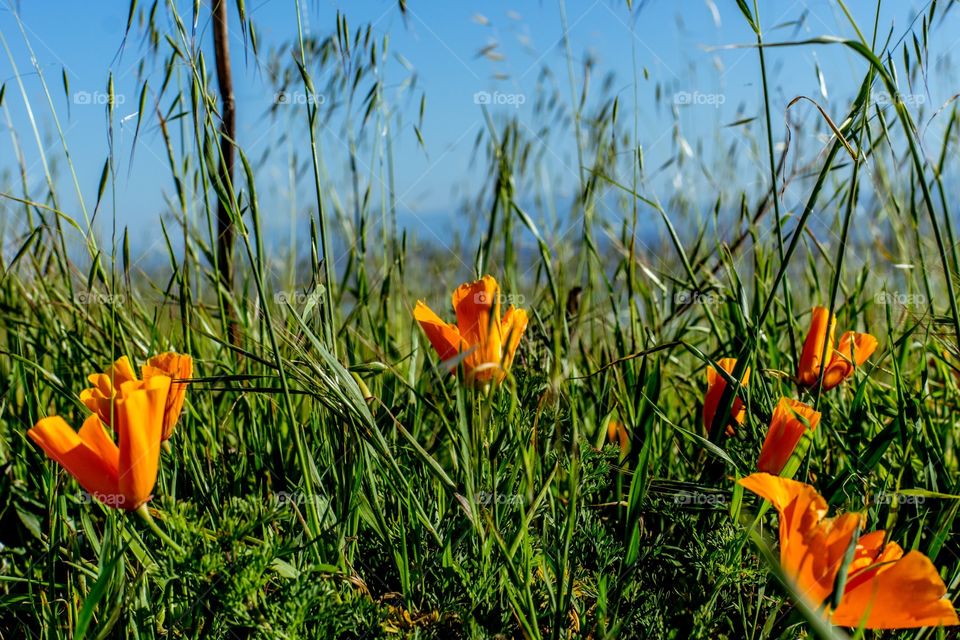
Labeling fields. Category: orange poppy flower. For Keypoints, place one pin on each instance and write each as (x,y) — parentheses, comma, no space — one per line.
(790,419)
(885,588)
(715,386)
(852,351)
(487,341)
(120,475)
(617,433)
(175,366)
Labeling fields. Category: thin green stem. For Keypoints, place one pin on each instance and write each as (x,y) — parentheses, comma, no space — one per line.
(144,512)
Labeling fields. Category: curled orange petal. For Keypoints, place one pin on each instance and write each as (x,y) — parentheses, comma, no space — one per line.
(715,387)
(902,594)
(812,546)
(99,397)
(853,350)
(789,422)
(477,305)
(512,327)
(617,433)
(139,427)
(819,337)
(177,367)
(89,456)
(841,359)
(444,337)
(120,371)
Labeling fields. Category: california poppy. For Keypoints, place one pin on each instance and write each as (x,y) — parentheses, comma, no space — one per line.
(790,419)
(121,474)
(175,366)
(488,340)
(852,351)
(617,433)
(885,587)
(715,386)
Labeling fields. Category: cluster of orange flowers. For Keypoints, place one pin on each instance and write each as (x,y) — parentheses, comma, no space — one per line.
(142,413)
(883,587)
(792,418)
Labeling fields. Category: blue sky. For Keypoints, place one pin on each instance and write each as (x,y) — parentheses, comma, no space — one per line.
(670,47)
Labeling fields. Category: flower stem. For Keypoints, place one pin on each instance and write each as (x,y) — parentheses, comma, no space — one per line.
(144,513)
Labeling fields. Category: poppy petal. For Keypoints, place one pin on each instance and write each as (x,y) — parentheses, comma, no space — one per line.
(820,336)
(444,337)
(789,422)
(512,327)
(871,557)
(477,305)
(96,399)
(885,589)
(617,433)
(139,427)
(905,594)
(853,350)
(87,456)
(100,397)
(812,547)
(94,436)
(120,371)
(177,367)
(715,386)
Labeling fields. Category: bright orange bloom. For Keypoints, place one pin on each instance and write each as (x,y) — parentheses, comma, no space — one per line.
(715,386)
(852,351)
(122,474)
(487,341)
(885,588)
(174,366)
(617,433)
(790,419)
